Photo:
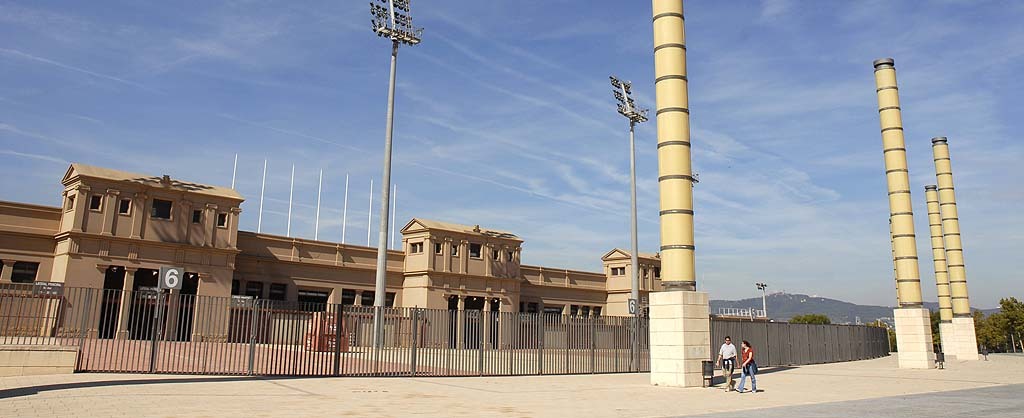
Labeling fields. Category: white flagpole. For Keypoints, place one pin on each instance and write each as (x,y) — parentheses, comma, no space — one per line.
(369,216)
(291,193)
(319,188)
(344,212)
(263,188)
(234,171)
(393,204)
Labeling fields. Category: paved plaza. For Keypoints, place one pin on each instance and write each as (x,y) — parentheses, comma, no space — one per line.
(864,388)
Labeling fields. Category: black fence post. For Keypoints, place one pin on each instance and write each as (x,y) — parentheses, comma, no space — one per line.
(415,338)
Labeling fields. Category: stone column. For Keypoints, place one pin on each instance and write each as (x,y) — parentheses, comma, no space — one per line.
(139,205)
(913,321)
(428,250)
(963,321)
(487,319)
(463,256)
(446,256)
(236,213)
(209,224)
(80,208)
(941,273)
(359,298)
(127,294)
(109,211)
(460,318)
(5,276)
(488,256)
(679,329)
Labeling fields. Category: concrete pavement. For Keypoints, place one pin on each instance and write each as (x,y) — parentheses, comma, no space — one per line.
(807,388)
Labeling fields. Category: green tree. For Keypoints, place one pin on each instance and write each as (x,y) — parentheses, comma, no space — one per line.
(936,341)
(988,331)
(817,319)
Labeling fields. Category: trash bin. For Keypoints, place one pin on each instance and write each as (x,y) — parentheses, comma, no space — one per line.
(708,371)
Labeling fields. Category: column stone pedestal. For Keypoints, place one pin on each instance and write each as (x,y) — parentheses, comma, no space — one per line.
(680,338)
(964,339)
(914,338)
(946,334)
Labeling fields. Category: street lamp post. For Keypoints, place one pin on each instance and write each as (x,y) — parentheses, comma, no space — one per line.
(391,20)
(764,298)
(627,107)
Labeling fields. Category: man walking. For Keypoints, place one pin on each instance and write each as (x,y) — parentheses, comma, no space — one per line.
(727,360)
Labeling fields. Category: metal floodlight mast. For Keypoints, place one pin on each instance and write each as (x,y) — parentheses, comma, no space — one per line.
(627,107)
(764,298)
(390,19)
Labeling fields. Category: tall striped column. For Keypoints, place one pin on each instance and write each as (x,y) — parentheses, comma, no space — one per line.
(679,329)
(898,179)
(675,176)
(941,272)
(913,322)
(963,320)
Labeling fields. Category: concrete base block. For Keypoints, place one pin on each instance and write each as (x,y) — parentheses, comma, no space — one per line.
(680,338)
(28,360)
(914,338)
(964,339)
(946,334)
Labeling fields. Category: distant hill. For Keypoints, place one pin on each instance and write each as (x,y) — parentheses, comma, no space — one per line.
(783,306)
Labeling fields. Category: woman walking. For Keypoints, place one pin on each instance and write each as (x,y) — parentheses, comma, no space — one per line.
(749,368)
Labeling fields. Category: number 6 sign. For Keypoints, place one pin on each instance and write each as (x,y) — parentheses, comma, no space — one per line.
(170,277)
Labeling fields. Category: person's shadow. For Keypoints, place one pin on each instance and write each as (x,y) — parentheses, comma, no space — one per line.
(719,380)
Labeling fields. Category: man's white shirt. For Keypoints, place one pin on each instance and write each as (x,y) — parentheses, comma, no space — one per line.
(727,351)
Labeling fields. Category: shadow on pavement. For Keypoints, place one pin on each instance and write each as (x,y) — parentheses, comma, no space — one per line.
(720,380)
(34,390)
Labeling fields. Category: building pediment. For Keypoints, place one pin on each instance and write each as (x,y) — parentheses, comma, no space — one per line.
(78,170)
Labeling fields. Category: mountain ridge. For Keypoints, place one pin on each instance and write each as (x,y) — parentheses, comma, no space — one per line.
(783,306)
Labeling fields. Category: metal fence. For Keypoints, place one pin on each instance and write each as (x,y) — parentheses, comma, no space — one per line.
(785,344)
(150,332)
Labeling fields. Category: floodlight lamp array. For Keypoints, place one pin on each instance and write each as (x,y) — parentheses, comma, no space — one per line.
(626,105)
(391,19)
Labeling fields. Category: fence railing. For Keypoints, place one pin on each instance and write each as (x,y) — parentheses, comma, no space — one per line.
(151,332)
(784,344)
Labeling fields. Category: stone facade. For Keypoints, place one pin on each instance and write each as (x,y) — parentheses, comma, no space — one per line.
(115,229)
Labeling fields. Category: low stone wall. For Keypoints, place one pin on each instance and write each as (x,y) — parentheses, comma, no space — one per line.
(28,360)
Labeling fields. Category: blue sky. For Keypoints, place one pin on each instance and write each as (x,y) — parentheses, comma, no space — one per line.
(506,113)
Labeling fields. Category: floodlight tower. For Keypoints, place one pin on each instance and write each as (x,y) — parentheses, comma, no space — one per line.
(764,297)
(391,19)
(627,107)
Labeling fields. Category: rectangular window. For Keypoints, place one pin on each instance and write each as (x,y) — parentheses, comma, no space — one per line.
(574,310)
(161,209)
(313,300)
(124,207)
(497,255)
(95,202)
(553,309)
(438,248)
(532,307)
(235,287)
(222,220)
(197,216)
(474,250)
(254,289)
(585,311)
(367,299)
(70,205)
(24,272)
(278,291)
(597,311)
(415,247)
(657,272)
(618,271)
(455,250)
(511,255)
(389,299)
(348,297)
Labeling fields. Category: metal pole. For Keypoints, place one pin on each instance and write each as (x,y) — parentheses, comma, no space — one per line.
(319,189)
(369,216)
(394,206)
(344,212)
(234,172)
(764,302)
(633,256)
(382,242)
(291,194)
(263,188)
